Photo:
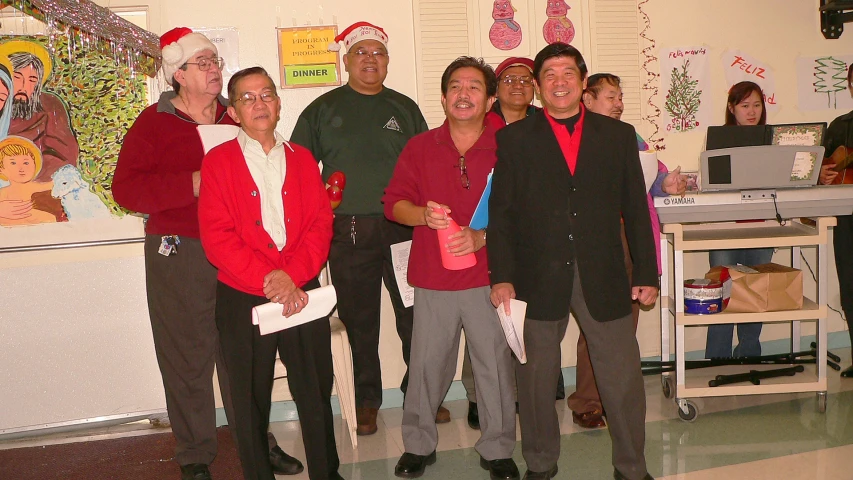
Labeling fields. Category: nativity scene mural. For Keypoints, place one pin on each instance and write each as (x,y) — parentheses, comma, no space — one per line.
(67,98)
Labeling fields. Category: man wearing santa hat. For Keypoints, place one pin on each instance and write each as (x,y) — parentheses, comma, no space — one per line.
(158,173)
(360,129)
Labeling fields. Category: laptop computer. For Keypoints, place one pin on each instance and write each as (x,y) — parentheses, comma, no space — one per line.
(759,167)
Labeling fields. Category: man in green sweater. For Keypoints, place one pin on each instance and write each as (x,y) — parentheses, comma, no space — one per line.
(360,129)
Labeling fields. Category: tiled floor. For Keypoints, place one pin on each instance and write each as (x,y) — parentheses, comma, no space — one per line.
(733,438)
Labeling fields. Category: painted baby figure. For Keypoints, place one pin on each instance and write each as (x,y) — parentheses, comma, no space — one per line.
(505,33)
(20,163)
(558,28)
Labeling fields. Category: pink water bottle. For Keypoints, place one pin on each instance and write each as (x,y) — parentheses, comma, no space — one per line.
(449,260)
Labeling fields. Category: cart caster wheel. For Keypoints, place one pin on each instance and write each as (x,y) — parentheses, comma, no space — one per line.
(821,402)
(667,386)
(691,413)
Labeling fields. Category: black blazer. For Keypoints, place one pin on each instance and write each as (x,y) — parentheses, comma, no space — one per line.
(542,219)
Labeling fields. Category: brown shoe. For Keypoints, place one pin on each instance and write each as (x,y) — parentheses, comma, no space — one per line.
(366,419)
(443,415)
(593,419)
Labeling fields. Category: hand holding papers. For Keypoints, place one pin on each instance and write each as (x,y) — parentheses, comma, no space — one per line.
(513,326)
(268,317)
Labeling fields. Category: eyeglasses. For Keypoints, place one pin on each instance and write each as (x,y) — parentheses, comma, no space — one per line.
(463,173)
(249,98)
(513,79)
(362,53)
(204,64)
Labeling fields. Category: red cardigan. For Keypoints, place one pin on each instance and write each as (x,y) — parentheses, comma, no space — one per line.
(233,237)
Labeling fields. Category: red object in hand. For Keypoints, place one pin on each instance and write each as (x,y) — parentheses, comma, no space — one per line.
(335,188)
(335,195)
(337,179)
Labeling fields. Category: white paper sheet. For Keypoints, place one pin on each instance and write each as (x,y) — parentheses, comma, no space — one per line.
(268,317)
(513,326)
(649,161)
(215,135)
(400,260)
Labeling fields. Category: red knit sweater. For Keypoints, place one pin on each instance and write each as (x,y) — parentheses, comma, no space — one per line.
(233,235)
(154,172)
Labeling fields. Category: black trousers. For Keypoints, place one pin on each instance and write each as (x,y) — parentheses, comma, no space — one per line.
(360,259)
(842,242)
(250,360)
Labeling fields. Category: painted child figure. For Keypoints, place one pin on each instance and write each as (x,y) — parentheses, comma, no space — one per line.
(20,163)
(558,28)
(505,33)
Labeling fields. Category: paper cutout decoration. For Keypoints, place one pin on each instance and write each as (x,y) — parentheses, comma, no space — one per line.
(686,79)
(739,66)
(505,33)
(822,83)
(558,28)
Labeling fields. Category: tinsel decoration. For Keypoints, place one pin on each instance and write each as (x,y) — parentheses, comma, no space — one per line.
(88,26)
(651,83)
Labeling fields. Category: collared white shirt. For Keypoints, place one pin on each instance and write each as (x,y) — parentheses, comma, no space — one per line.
(268,172)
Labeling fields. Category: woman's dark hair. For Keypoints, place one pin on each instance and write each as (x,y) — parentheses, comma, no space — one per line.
(479,64)
(850,77)
(558,49)
(738,93)
(232,84)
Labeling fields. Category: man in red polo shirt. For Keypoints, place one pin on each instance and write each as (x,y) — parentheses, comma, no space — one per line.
(442,174)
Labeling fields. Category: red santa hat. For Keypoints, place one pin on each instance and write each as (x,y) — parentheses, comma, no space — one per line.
(357,32)
(178,45)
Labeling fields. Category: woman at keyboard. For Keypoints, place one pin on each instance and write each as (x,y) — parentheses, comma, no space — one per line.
(745,106)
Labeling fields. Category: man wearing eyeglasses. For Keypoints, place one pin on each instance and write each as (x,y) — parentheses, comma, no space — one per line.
(266,224)
(158,173)
(441,174)
(514,102)
(360,129)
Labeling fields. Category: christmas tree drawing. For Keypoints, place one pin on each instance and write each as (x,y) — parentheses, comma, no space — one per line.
(831,75)
(683,99)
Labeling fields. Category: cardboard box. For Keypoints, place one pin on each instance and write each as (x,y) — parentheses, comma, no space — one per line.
(762,288)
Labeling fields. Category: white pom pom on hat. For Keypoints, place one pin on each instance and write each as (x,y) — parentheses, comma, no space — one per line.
(178,45)
(357,32)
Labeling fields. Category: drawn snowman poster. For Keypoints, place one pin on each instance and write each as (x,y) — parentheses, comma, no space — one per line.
(505,33)
(503,28)
(558,27)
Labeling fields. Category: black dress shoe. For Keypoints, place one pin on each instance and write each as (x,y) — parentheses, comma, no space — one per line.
(284,464)
(530,475)
(618,476)
(413,466)
(473,416)
(500,469)
(847,373)
(195,471)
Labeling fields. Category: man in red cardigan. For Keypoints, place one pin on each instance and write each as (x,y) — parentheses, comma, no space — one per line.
(266,224)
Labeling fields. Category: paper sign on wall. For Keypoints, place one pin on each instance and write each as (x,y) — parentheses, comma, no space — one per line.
(740,66)
(686,83)
(822,83)
(304,57)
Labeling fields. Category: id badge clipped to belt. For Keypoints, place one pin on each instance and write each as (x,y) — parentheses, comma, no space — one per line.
(169,245)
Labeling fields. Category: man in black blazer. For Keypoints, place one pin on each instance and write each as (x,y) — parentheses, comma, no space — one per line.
(565,180)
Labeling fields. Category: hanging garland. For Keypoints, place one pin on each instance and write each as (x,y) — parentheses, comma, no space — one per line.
(651,83)
(90,26)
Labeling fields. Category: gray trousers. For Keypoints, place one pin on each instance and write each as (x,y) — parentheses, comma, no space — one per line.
(440,317)
(181,302)
(615,359)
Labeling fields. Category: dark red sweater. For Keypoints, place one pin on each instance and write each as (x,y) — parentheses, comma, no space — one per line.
(233,234)
(154,172)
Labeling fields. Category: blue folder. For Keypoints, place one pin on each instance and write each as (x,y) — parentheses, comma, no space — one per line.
(480,219)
